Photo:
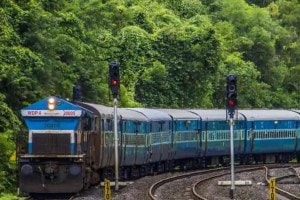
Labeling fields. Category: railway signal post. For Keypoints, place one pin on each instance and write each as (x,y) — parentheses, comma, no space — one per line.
(231,104)
(114,82)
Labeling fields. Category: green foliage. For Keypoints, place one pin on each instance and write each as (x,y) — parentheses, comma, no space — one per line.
(7,169)
(186,8)
(153,88)
(136,47)
(10,197)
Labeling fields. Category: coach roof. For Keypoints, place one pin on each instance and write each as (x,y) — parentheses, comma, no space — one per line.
(131,115)
(152,114)
(103,111)
(213,114)
(180,114)
(276,114)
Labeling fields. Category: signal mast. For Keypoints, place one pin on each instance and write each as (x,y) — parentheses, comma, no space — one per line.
(114,82)
(231,105)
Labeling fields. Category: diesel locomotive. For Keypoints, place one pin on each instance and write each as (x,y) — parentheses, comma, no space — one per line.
(70,145)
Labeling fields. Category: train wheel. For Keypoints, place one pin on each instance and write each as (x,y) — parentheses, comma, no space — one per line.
(161,167)
(168,166)
(221,161)
(125,173)
(135,172)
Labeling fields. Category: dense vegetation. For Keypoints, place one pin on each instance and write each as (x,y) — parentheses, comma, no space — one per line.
(173,53)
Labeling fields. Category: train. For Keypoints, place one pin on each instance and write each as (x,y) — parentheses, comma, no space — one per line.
(69,145)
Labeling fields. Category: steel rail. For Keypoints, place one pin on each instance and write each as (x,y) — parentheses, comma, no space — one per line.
(194,187)
(240,169)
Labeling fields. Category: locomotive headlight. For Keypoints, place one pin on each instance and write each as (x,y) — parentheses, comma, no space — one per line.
(26,170)
(75,170)
(51,103)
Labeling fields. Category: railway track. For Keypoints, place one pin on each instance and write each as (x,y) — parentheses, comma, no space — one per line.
(158,184)
(219,172)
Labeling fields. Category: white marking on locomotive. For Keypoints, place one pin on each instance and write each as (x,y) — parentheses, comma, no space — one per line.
(46,113)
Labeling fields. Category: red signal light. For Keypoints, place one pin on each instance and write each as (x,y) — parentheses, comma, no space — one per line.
(231,102)
(114,82)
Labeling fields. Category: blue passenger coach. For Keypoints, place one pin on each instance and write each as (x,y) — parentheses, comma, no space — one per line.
(215,134)
(185,134)
(133,142)
(103,131)
(158,136)
(272,134)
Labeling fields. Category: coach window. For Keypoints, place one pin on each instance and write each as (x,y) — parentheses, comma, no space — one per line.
(187,124)
(213,125)
(291,134)
(279,134)
(86,123)
(283,134)
(95,124)
(138,126)
(109,125)
(257,135)
(290,124)
(161,126)
(152,127)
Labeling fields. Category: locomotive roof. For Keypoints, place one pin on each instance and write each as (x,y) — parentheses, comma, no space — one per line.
(131,115)
(62,109)
(275,114)
(152,114)
(212,114)
(180,114)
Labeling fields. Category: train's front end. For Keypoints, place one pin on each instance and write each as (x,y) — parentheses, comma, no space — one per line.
(54,161)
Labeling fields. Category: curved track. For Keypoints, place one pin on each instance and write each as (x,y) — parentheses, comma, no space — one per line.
(158,184)
(194,187)
(215,173)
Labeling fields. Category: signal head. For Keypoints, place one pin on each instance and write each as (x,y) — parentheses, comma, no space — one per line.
(231,100)
(114,78)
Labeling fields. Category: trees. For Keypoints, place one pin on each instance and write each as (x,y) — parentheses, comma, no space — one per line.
(47,47)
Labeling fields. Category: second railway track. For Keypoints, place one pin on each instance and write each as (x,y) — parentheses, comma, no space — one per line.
(190,189)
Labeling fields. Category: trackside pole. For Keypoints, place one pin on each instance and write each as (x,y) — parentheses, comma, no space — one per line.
(232,157)
(231,105)
(116,145)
